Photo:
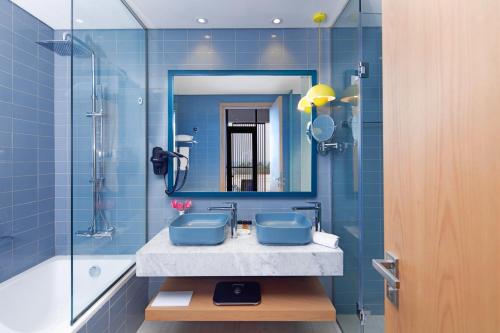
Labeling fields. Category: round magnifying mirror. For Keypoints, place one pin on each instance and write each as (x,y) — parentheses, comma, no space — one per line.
(322,128)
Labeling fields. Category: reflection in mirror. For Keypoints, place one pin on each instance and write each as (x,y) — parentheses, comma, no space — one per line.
(322,128)
(242,132)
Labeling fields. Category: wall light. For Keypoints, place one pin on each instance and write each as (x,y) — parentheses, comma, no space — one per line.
(201,20)
(276,20)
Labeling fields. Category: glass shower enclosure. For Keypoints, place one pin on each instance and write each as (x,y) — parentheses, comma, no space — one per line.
(357,170)
(108,46)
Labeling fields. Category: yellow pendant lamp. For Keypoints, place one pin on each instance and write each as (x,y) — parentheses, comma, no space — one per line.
(304,105)
(319,94)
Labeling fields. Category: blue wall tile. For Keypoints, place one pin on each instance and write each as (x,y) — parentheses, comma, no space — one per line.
(21,114)
(124,312)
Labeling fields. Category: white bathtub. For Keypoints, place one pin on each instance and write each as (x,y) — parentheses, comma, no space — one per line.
(39,299)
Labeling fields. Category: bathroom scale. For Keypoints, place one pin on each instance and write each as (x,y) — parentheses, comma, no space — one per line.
(237,293)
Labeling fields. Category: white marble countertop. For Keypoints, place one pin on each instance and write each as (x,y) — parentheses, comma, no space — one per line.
(242,256)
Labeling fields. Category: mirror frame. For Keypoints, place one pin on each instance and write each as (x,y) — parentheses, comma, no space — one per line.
(170,134)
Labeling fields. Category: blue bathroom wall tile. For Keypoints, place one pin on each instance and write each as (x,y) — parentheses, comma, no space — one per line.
(246,46)
(5,140)
(5,79)
(45,79)
(271,34)
(5,198)
(24,71)
(100,321)
(223,46)
(6,34)
(124,313)
(5,94)
(155,45)
(198,34)
(23,99)
(340,34)
(156,34)
(247,34)
(25,86)
(22,65)
(248,58)
(6,13)
(224,34)
(24,196)
(22,224)
(5,61)
(6,169)
(6,214)
(177,58)
(135,35)
(173,34)
(295,34)
(156,58)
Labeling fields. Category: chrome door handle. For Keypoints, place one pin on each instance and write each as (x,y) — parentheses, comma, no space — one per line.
(382,266)
(389,269)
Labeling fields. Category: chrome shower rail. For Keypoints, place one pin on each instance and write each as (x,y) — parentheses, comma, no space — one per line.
(98,178)
(73,46)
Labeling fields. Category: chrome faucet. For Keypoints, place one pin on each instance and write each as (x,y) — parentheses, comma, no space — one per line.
(233,208)
(317,213)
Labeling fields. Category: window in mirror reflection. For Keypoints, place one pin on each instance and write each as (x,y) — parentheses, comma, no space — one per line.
(248,165)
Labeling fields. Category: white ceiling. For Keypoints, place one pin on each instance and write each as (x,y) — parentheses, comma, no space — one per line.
(182,14)
(236,14)
(89,14)
(240,85)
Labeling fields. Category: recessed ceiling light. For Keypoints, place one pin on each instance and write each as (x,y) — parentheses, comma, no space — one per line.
(274,36)
(276,20)
(207,36)
(201,20)
(80,21)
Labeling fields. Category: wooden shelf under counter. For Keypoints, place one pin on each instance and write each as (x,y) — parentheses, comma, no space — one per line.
(283,299)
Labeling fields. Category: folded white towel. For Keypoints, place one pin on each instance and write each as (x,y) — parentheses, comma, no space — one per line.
(183,138)
(326,239)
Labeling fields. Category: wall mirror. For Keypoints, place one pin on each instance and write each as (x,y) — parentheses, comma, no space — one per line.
(242,133)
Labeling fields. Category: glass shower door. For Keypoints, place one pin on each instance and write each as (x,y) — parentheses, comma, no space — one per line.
(346,162)
(357,168)
(108,150)
(371,296)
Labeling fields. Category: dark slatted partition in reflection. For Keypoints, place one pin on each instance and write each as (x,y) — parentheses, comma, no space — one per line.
(242,158)
(247,166)
(261,157)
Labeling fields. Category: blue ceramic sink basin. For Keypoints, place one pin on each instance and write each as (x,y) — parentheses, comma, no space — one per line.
(198,229)
(283,229)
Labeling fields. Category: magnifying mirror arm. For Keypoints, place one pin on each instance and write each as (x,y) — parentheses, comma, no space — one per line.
(324,147)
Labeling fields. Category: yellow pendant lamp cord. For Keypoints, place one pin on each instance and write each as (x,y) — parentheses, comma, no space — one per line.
(319,51)
(320,93)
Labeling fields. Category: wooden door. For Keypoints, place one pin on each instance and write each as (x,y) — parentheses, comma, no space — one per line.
(441,87)
(276,145)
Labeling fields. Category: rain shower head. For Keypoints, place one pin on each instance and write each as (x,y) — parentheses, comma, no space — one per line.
(64,46)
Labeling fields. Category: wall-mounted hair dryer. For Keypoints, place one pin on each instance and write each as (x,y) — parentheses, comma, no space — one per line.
(160,159)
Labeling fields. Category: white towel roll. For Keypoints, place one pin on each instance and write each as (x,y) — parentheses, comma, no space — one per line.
(326,239)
